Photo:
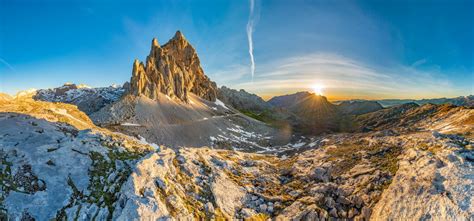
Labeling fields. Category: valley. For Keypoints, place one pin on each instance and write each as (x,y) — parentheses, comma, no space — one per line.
(171,145)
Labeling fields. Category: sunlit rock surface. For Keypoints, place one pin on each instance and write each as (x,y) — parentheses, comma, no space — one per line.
(56,164)
(173,69)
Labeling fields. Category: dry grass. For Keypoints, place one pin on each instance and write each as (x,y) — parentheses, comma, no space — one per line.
(381,156)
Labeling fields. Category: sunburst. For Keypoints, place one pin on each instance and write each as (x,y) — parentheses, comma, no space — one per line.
(318,89)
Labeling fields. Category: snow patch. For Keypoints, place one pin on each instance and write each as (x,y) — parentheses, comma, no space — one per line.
(298,145)
(220,103)
(143,141)
(131,124)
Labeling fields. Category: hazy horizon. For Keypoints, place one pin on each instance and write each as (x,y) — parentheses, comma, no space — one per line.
(266,98)
(352,50)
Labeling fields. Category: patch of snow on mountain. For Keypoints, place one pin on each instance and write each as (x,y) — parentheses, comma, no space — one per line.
(143,141)
(220,103)
(298,145)
(130,124)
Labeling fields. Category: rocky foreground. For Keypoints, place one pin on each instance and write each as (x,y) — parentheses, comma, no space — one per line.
(407,162)
(56,164)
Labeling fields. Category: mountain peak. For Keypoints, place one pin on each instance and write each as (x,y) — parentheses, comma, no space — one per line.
(179,35)
(173,70)
(154,43)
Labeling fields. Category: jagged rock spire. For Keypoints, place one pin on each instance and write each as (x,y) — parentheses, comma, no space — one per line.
(172,69)
(154,43)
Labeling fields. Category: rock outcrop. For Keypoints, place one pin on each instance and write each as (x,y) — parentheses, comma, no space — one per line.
(173,69)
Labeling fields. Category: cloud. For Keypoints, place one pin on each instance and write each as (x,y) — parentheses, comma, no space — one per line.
(343,76)
(419,62)
(253,18)
(230,74)
(7,64)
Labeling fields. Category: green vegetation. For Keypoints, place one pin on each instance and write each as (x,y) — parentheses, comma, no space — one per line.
(267,117)
(23,181)
(6,183)
(386,159)
(381,157)
(102,191)
(76,195)
(347,124)
(347,156)
(191,204)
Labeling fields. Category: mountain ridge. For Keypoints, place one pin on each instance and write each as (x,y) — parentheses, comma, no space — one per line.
(459,101)
(170,145)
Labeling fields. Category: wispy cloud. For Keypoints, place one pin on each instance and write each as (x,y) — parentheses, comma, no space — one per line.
(345,77)
(231,74)
(253,18)
(7,64)
(419,62)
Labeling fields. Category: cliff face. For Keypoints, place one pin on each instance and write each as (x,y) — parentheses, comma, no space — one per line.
(242,100)
(173,69)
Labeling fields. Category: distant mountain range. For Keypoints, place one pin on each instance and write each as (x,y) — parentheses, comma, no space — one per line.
(467,101)
(171,145)
(304,112)
(87,99)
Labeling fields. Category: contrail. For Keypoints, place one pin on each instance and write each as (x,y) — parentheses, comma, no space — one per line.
(7,64)
(250,26)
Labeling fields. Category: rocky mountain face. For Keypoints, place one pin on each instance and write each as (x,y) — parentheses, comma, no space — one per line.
(304,112)
(406,115)
(198,123)
(359,107)
(311,113)
(172,69)
(171,102)
(56,164)
(4,97)
(242,100)
(289,100)
(87,99)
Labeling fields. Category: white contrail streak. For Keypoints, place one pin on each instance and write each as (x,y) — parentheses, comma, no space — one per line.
(7,64)
(250,25)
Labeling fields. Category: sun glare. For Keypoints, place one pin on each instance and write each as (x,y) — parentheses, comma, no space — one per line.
(318,89)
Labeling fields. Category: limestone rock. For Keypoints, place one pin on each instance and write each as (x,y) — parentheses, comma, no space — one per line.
(173,69)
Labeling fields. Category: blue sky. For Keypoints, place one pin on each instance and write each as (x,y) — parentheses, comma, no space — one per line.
(356,49)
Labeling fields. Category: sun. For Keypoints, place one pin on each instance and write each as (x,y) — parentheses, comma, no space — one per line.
(318,89)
